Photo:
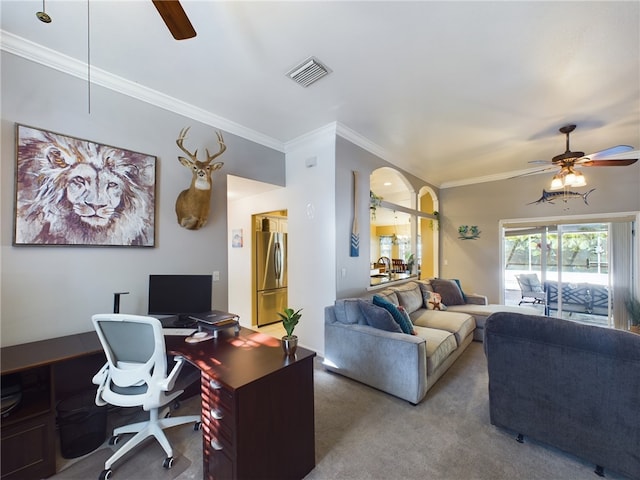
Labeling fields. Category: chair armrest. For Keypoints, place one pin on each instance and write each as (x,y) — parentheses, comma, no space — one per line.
(392,362)
(170,381)
(101,378)
(476,299)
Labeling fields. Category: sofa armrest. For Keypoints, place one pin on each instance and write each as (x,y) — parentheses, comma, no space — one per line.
(395,363)
(476,299)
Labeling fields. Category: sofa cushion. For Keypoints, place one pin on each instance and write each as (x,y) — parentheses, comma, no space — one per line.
(410,297)
(389,295)
(434,302)
(440,344)
(481,312)
(378,317)
(460,324)
(348,311)
(395,313)
(449,290)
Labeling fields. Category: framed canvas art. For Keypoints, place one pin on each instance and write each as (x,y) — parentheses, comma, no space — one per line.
(70,191)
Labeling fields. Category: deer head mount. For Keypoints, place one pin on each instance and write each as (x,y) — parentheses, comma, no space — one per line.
(193,204)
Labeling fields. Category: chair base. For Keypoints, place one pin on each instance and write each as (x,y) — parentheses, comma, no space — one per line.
(142,430)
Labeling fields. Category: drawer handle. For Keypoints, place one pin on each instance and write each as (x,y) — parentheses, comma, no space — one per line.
(216,445)
(217,414)
(215,385)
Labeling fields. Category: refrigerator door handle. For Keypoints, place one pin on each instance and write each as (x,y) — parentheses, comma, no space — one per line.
(277,257)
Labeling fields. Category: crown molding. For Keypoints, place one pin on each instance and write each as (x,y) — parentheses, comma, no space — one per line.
(328,130)
(53,59)
(47,57)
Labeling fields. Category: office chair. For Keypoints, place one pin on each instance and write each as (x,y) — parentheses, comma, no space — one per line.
(136,375)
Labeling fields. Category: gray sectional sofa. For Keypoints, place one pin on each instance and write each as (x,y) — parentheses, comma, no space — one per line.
(402,364)
(573,386)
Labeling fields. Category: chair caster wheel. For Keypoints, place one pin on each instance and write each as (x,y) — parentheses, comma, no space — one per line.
(197,426)
(168,463)
(114,441)
(105,475)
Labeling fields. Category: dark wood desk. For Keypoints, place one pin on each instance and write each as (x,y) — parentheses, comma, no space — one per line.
(257,406)
(48,370)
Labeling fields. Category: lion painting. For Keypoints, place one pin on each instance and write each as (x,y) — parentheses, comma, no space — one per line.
(74,192)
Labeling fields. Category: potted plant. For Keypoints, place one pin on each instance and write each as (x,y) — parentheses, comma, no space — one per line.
(290,319)
(633,308)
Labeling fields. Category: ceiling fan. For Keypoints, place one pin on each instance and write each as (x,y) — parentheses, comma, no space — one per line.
(175,18)
(568,176)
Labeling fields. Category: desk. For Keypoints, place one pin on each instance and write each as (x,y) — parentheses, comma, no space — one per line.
(48,370)
(257,406)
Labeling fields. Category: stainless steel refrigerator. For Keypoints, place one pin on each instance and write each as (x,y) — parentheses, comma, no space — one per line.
(271,276)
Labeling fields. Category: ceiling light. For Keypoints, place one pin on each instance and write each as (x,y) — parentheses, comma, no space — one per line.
(43,16)
(557,183)
(579,180)
(567,177)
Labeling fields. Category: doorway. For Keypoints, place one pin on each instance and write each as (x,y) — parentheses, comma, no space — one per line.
(270,271)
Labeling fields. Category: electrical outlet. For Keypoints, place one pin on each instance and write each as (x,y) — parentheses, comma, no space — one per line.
(216,276)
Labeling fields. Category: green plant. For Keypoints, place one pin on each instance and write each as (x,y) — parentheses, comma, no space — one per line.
(633,307)
(290,319)
(374,202)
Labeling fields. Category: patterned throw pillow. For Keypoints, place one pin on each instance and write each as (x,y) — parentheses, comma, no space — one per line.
(378,317)
(406,327)
(435,302)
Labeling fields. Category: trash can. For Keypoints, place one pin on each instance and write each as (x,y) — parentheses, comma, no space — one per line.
(82,424)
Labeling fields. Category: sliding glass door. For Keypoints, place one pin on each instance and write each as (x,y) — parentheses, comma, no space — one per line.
(574,263)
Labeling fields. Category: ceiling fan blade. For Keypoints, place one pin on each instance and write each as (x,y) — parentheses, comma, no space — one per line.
(608,163)
(610,152)
(175,18)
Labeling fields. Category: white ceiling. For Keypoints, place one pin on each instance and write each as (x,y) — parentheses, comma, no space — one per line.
(449,91)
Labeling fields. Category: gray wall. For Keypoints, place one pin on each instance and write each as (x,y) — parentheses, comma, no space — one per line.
(52,291)
(350,157)
(477,262)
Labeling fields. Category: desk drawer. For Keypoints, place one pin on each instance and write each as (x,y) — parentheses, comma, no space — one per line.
(27,448)
(218,415)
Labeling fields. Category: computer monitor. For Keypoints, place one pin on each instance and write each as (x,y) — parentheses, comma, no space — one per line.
(180,295)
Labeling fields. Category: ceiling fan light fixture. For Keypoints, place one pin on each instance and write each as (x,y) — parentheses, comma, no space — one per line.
(578,180)
(570,178)
(557,183)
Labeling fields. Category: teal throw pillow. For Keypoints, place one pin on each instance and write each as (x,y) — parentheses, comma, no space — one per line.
(406,316)
(406,327)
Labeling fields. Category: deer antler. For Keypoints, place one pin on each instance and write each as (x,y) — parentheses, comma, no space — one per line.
(223,147)
(183,134)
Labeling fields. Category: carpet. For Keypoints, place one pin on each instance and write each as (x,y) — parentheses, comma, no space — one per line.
(364,434)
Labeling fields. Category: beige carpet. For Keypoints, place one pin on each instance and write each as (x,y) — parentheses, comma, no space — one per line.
(364,434)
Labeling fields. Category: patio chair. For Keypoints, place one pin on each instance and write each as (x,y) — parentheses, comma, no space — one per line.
(531,289)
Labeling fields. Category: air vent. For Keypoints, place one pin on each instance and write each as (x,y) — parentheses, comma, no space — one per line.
(308,72)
